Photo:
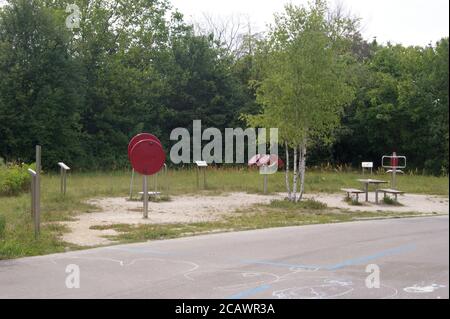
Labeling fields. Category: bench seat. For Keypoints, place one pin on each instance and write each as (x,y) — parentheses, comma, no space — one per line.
(353,191)
(388,191)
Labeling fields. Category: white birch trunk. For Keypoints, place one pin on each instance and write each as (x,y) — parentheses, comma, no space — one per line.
(288,184)
(294,191)
(302,169)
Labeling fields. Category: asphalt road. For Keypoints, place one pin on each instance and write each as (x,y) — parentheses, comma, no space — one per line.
(318,261)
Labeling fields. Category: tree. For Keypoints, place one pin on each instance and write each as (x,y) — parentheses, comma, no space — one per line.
(304,87)
(40,93)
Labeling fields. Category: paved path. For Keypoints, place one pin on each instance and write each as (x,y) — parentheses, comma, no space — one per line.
(319,261)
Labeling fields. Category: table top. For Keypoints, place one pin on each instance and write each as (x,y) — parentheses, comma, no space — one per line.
(372,181)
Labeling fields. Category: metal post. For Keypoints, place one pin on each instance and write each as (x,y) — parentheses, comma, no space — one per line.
(62,180)
(204,178)
(393,180)
(37,215)
(145,194)
(65,182)
(166,178)
(33,196)
(131,184)
(265,184)
(198,183)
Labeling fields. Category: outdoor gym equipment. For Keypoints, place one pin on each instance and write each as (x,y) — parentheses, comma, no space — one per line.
(138,138)
(64,168)
(147,157)
(394,166)
(265,163)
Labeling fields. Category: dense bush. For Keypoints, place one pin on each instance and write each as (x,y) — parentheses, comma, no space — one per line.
(14,179)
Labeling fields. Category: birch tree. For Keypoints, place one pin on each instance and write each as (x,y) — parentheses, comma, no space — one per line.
(303,88)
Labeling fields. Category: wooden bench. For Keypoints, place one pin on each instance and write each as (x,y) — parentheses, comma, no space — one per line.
(388,191)
(353,191)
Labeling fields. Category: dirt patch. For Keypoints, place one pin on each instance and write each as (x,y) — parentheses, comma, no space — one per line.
(409,203)
(190,209)
(181,209)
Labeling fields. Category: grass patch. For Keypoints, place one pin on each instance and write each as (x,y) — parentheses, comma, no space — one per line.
(352,201)
(17,230)
(390,201)
(310,204)
(276,214)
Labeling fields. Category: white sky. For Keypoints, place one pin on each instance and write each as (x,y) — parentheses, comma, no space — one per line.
(410,22)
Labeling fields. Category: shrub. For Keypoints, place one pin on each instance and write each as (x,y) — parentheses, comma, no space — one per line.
(14,179)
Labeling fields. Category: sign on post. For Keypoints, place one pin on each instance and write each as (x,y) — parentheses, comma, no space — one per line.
(201,165)
(147,157)
(367,165)
(35,204)
(64,168)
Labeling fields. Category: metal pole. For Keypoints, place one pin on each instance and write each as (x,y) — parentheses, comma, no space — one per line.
(62,181)
(37,215)
(198,183)
(393,181)
(131,184)
(65,182)
(204,178)
(145,194)
(265,184)
(166,177)
(33,196)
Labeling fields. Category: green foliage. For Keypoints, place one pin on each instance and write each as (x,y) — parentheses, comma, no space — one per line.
(2,226)
(135,65)
(303,87)
(390,201)
(310,204)
(14,179)
(401,105)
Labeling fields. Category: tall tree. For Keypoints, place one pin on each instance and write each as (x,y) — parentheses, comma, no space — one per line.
(40,93)
(304,87)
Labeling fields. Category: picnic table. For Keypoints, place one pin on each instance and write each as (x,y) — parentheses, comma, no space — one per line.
(368,182)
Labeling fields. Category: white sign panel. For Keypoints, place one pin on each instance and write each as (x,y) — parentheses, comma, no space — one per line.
(367,164)
(201,163)
(64,166)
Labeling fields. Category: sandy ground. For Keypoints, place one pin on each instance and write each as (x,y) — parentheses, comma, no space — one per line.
(188,209)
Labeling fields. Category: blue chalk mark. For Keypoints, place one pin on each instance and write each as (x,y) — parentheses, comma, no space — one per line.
(250,292)
(365,259)
(345,263)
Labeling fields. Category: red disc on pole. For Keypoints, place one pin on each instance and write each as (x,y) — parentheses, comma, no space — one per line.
(263,160)
(141,137)
(254,160)
(394,160)
(147,157)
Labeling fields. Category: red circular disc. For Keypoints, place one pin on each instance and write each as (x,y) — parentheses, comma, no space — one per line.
(264,160)
(274,159)
(141,137)
(147,157)
(254,160)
